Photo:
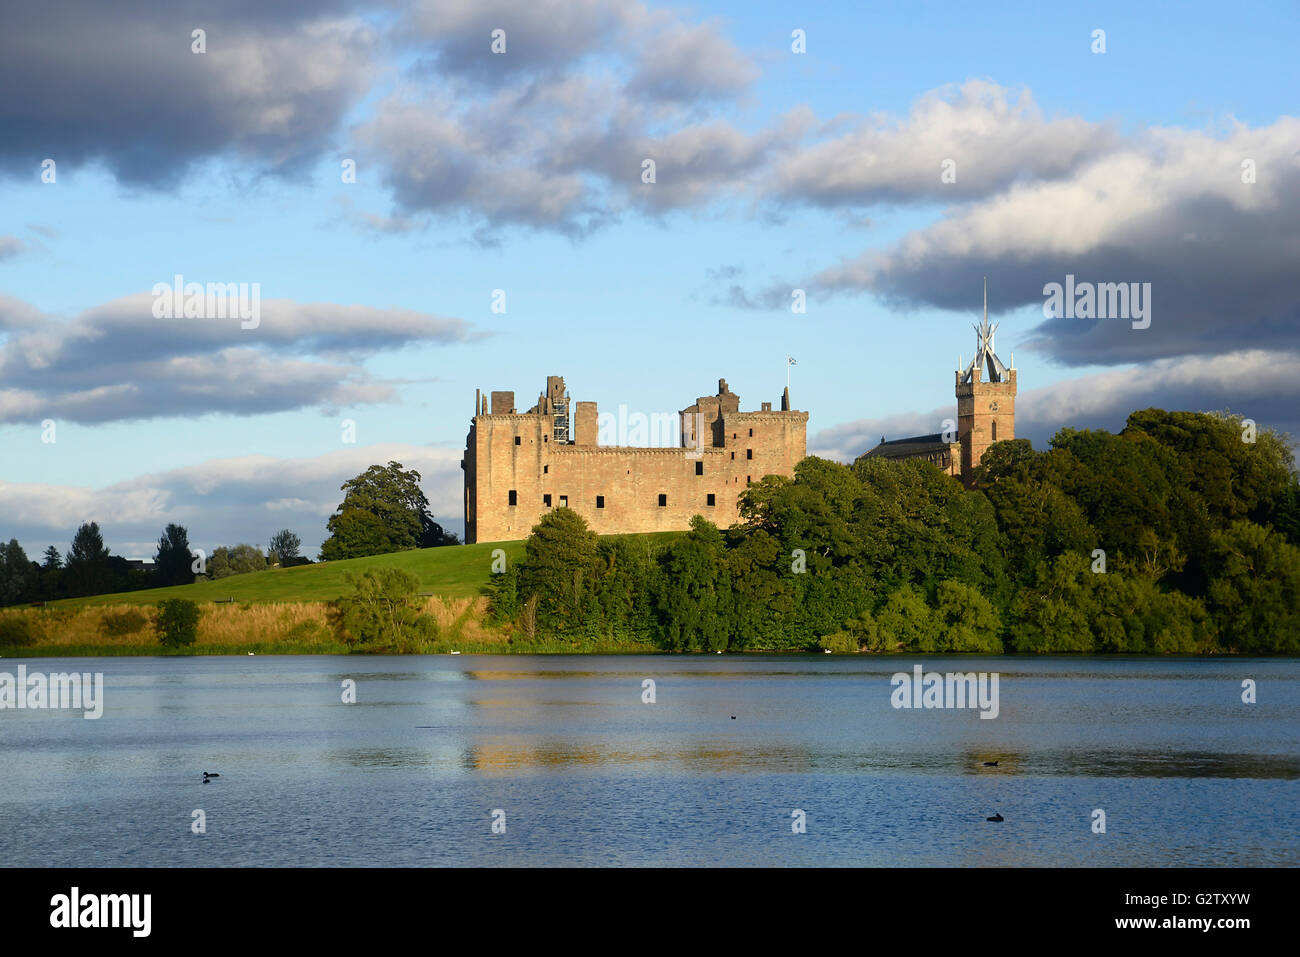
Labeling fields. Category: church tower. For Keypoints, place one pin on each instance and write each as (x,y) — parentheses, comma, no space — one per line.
(986,399)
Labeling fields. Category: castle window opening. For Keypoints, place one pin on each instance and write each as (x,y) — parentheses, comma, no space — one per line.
(699,468)
(546,469)
(711,500)
(514,497)
(546,499)
(518,440)
(600,501)
(663,500)
(995,430)
(749,453)
(564,501)
(751,433)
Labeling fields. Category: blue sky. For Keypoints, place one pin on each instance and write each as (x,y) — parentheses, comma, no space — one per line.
(637,294)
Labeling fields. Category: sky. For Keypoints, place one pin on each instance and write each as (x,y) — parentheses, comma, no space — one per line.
(499,228)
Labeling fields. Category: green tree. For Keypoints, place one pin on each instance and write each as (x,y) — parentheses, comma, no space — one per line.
(967,620)
(766,598)
(624,574)
(1135,616)
(1035,519)
(907,623)
(558,566)
(1055,613)
(219,564)
(246,558)
(1286,515)
(284,546)
(383,510)
(236,560)
(858,633)
(1254,591)
(173,559)
(694,595)
(1236,478)
(51,585)
(88,571)
(19,578)
(177,624)
(384,612)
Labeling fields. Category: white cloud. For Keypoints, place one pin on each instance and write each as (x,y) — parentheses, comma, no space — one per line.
(224,501)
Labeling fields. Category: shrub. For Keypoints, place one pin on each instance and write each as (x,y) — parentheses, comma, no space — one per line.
(15,631)
(384,611)
(308,633)
(907,622)
(841,643)
(969,622)
(178,622)
(116,624)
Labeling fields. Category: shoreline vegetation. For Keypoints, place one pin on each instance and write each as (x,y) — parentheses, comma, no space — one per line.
(1179,535)
(267,628)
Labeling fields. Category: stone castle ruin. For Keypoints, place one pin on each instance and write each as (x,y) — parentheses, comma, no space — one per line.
(519,465)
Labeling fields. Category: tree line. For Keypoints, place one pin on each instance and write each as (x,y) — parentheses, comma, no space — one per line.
(88,568)
(383,510)
(1179,534)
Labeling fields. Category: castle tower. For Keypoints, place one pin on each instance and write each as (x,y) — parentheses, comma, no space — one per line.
(986,399)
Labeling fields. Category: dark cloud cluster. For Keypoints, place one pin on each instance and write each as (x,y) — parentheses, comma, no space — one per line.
(118,361)
(554,133)
(1263,386)
(118,83)
(1171,209)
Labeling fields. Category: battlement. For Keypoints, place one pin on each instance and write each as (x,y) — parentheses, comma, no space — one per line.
(967,383)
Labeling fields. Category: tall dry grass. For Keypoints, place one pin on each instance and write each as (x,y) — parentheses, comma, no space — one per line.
(286,627)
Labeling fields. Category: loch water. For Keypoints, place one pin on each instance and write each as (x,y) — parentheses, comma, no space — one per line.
(581,769)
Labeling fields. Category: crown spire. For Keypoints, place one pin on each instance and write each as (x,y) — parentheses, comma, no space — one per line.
(985,355)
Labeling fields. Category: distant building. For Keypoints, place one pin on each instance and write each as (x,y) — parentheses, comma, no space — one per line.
(520,465)
(932,448)
(986,413)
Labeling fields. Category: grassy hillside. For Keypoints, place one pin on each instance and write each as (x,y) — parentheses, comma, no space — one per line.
(285,611)
(455,571)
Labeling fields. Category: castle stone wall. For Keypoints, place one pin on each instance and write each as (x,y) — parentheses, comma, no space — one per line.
(618,489)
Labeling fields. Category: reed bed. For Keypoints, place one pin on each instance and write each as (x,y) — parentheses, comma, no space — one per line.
(267,628)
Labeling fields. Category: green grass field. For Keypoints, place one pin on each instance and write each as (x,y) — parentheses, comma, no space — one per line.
(455,571)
